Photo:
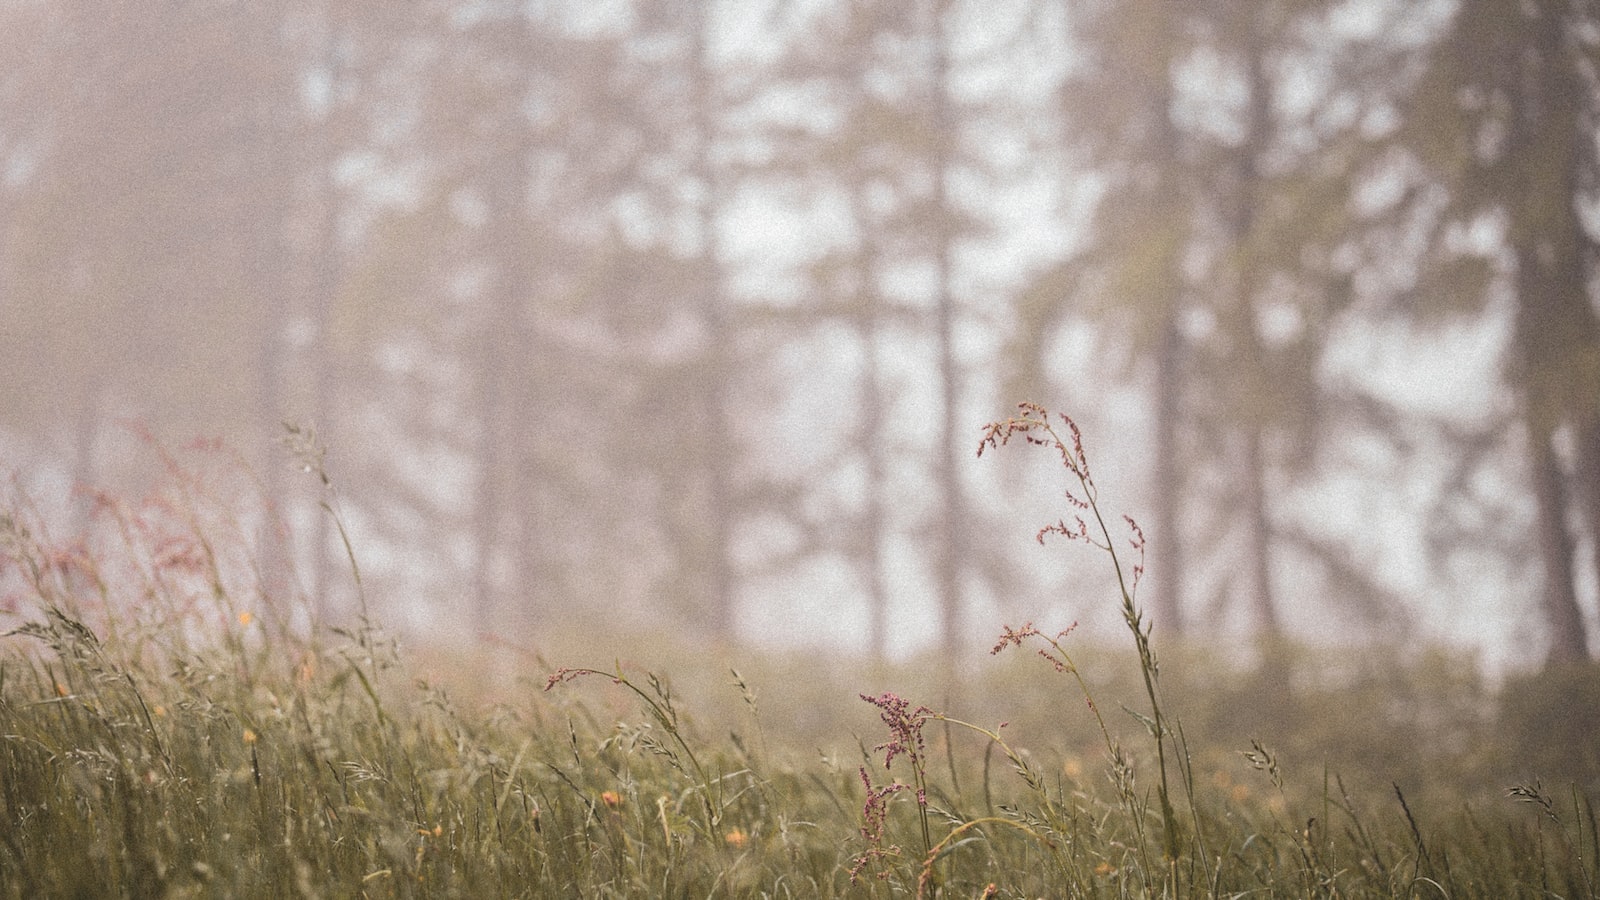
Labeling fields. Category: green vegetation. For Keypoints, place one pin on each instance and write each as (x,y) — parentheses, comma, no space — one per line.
(203,747)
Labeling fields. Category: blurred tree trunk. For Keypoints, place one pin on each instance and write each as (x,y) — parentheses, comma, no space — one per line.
(1559,601)
(872,432)
(717,452)
(1253,411)
(268,179)
(874,525)
(1166,604)
(950,555)
(1555,334)
(326,275)
(869,308)
(1586,484)
(1166,541)
(522,146)
(506,187)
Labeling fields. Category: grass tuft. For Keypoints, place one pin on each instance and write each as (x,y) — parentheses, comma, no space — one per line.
(171,726)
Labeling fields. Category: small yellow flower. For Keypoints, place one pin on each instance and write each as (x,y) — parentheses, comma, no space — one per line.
(1072,768)
(736,839)
(159,712)
(249,736)
(245,618)
(611,799)
(1105,869)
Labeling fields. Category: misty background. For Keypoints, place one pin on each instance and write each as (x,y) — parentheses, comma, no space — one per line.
(675,314)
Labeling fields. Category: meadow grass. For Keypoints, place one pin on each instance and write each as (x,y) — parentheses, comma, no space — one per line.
(168,731)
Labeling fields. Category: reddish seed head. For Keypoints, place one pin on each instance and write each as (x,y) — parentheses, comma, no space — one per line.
(558,676)
(1013,638)
(905,726)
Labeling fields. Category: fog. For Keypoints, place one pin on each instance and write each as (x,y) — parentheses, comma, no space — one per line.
(674,316)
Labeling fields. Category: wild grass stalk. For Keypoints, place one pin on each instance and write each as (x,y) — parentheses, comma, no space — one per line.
(1034,426)
(657,700)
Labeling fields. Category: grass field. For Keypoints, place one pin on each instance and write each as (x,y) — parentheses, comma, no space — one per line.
(195,744)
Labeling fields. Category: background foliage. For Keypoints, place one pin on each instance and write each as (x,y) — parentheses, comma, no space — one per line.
(679,312)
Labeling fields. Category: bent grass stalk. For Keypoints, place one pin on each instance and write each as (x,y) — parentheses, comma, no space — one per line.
(658,700)
(1033,424)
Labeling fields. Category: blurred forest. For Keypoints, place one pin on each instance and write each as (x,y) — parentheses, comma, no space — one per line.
(690,314)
